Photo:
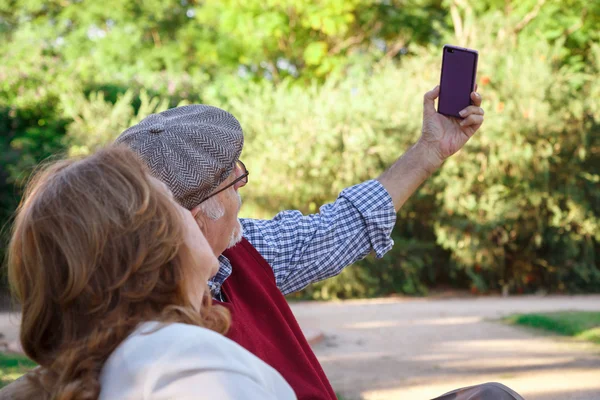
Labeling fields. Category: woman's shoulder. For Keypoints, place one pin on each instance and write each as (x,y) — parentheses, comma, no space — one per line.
(156,343)
(175,335)
(155,353)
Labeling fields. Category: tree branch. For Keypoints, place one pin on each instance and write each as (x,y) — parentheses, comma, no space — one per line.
(456,20)
(529,16)
(346,43)
(576,26)
(156,38)
(357,39)
(396,47)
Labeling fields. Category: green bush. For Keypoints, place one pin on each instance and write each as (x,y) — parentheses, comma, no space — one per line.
(96,121)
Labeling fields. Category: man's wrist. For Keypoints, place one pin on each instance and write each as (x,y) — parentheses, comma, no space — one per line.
(428,158)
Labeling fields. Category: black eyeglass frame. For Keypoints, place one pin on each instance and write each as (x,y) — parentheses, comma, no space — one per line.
(236,180)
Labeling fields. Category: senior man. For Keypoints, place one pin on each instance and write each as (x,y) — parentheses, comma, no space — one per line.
(195,151)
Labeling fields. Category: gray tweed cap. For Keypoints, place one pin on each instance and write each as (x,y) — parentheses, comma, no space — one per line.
(192,149)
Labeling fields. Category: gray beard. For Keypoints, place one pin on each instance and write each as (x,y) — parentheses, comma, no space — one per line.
(236,236)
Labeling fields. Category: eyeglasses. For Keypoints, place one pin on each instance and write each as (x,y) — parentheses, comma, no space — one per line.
(242,178)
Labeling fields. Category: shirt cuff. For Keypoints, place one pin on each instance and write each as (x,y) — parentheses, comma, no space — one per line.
(376,207)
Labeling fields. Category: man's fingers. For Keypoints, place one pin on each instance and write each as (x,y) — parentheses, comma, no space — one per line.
(471,110)
(476,97)
(429,98)
(473,119)
(433,93)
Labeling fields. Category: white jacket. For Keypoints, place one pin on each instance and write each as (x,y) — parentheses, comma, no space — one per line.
(181,361)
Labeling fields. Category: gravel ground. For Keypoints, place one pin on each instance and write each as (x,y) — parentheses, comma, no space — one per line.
(418,349)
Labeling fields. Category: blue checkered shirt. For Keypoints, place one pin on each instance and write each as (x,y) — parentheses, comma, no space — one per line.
(306,249)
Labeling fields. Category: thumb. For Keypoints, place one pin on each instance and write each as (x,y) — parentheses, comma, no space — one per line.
(428,101)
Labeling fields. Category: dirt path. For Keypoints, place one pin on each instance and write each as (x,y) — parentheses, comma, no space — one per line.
(417,349)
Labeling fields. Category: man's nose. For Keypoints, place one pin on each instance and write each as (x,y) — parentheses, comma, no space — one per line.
(240,184)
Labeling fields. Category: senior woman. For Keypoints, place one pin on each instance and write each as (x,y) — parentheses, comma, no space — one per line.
(111,274)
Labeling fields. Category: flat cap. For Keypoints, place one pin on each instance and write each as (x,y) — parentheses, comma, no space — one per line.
(192,149)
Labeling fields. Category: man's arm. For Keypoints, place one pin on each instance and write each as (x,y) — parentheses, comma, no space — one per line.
(440,138)
(403,178)
(303,249)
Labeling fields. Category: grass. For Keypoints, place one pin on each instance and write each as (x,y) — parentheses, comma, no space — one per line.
(13,366)
(579,324)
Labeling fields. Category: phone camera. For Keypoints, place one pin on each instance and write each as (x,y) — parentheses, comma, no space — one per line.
(450,50)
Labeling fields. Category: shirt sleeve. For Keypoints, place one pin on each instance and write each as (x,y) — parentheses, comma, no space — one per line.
(304,249)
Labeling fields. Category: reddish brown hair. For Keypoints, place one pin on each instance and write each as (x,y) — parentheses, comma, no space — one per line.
(94,252)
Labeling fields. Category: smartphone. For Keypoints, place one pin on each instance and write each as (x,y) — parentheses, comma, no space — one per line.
(457,81)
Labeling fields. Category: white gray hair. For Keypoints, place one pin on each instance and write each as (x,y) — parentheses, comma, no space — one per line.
(212,208)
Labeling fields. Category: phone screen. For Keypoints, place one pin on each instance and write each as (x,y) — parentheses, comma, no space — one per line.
(457,80)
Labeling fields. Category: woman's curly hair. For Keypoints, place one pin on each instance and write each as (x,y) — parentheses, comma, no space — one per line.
(95,252)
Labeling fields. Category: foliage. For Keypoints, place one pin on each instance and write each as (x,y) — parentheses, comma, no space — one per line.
(330,95)
(97,122)
(580,324)
(526,197)
(196,39)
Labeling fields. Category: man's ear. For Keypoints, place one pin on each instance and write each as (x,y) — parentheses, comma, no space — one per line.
(199,217)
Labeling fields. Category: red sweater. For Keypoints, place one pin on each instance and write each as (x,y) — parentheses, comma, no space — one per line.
(263,323)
